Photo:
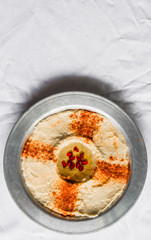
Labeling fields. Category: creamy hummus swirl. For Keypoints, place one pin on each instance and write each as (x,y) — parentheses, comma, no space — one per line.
(76,163)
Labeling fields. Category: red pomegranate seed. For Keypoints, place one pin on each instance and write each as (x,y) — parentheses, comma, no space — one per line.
(78,158)
(69,154)
(64,164)
(81,168)
(72,166)
(69,163)
(72,158)
(77,165)
(76,149)
(82,155)
(84,162)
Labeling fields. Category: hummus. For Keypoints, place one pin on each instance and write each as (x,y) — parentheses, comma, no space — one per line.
(76,163)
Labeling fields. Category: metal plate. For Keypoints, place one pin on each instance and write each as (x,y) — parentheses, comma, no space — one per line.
(61,102)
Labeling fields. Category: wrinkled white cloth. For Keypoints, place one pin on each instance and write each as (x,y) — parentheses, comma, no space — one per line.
(49,46)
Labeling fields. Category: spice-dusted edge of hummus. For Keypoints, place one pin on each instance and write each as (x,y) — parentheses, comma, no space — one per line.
(76,163)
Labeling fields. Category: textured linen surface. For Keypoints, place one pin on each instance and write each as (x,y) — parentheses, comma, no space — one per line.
(49,46)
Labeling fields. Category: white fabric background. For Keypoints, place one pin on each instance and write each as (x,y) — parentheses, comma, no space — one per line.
(45,46)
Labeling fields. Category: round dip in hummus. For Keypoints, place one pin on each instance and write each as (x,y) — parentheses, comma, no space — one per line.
(76,163)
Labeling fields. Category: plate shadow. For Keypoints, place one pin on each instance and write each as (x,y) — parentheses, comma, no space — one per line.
(80,83)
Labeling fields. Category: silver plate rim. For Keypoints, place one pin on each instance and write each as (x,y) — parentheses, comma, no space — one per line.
(20,132)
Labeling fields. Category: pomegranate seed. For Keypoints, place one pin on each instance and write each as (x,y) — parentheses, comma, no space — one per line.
(81,168)
(69,163)
(82,155)
(69,154)
(76,149)
(84,162)
(78,158)
(64,164)
(77,165)
(72,158)
(72,166)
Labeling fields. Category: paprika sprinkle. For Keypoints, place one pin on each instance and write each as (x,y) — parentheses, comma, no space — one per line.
(115,171)
(66,197)
(38,150)
(84,123)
